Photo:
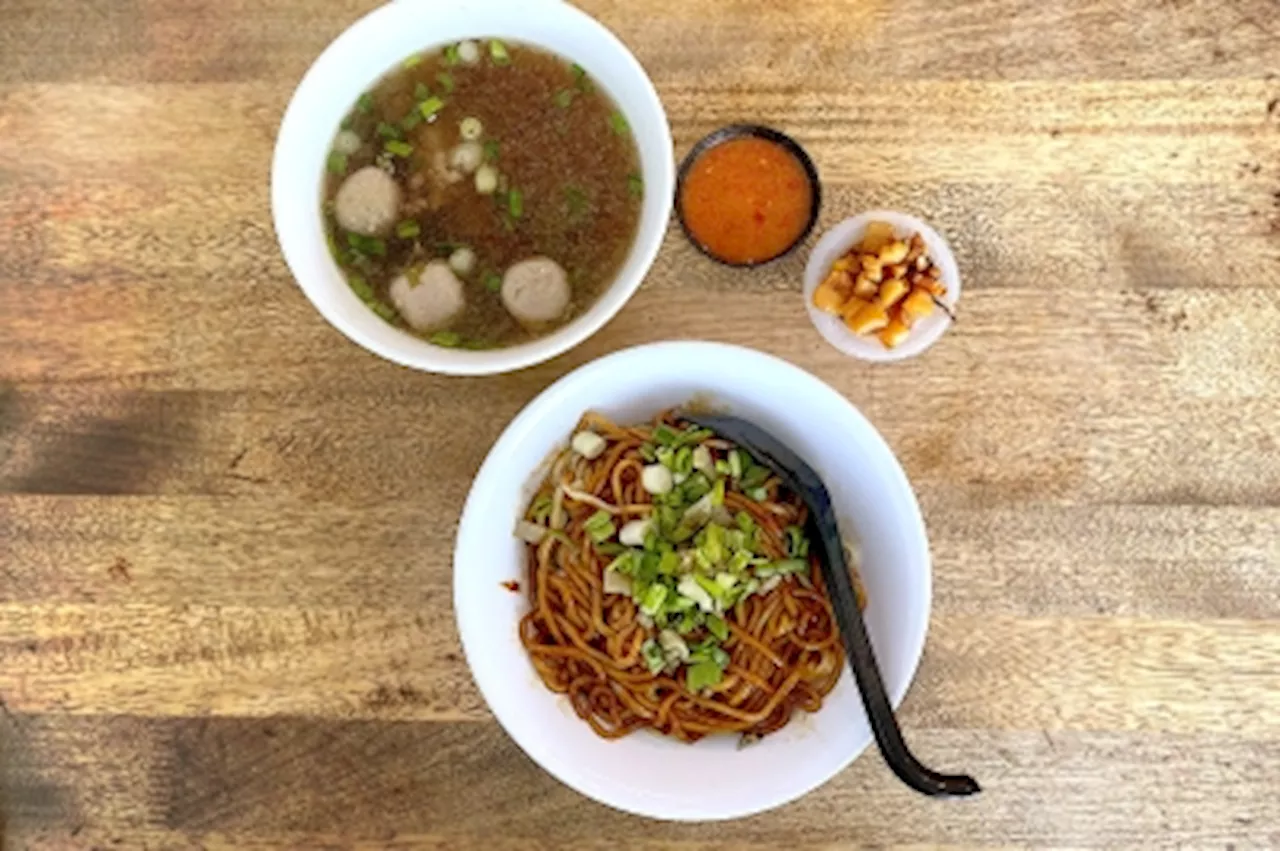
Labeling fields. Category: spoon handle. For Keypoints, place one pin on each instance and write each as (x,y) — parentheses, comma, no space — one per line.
(862,659)
(853,632)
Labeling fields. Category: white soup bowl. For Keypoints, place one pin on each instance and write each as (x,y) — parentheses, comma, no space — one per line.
(378,43)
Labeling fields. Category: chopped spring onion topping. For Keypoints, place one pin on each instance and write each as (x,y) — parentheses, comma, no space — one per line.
(515,203)
(366,294)
(588,444)
(412,61)
(445,79)
(337,162)
(656,479)
(388,131)
(530,533)
(633,534)
(563,98)
(786,567)
(468,52)
(654,659)
(365,102)
(541,508)
(398,148)
(617,583)
(462,260)
(689,561)
(384,310)
(486,179)
(618,122)
(451,56)
(498,52)
(470,129)
(797,543)
(712,587)
(695,487)
(408,229)
(688,586)
(449,339)
(599,526)
(430,107)
(347,142)
(654,597)
(735,464)
(673,646)
(360,287)
(420,91)
(635,186)
(683,461)
(696,516)
(580,78)
(754,476)
(703,675)
(493,282)
(491,150)
(368,246)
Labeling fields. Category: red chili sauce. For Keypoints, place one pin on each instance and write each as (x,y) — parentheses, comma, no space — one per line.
(746,200)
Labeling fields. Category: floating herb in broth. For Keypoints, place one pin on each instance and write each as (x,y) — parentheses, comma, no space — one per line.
(483,194)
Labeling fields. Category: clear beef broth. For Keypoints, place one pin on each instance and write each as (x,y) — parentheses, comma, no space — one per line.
(555,139)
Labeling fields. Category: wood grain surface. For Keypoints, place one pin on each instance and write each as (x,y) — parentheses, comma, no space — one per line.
(225,532)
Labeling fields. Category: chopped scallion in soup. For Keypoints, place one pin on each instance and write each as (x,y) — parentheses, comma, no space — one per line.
(483,194)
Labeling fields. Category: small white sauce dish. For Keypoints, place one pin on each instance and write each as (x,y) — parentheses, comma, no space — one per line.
(375,45)
(845,236)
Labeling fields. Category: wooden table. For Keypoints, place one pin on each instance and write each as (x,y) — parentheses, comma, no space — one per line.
(225,531)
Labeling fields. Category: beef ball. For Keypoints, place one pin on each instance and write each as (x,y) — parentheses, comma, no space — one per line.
(536,291)
(432,301)
(367,202)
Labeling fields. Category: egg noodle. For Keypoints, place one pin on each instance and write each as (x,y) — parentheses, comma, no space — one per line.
(671,586)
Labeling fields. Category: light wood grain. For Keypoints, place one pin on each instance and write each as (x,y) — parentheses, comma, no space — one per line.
(226,532)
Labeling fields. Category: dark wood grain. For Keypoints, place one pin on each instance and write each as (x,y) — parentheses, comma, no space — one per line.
(297,781)
(226,532)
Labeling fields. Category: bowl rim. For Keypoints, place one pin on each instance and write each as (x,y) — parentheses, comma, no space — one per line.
(518,430)
(759,131)
(294,133)
(842,236)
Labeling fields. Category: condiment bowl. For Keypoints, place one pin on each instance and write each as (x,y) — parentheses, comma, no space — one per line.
(777,137)
(644,772)
(376,44)
(846,235)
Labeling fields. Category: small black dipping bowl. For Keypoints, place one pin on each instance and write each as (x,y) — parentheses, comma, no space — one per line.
(734,131)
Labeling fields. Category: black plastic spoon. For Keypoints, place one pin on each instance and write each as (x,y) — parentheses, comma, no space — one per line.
(802,478)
